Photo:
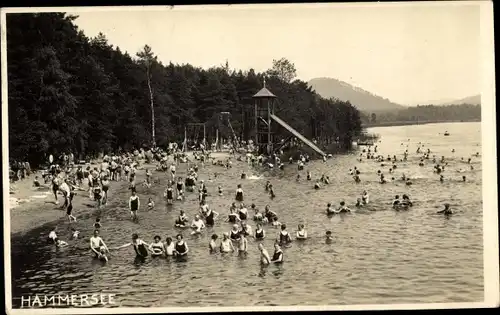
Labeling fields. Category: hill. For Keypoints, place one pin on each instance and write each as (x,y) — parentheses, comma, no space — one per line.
(473,100)
(361,99)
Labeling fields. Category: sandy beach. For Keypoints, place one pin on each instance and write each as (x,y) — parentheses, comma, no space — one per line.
(32,207)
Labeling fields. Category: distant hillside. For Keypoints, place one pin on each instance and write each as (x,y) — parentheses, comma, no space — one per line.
(473,100)
(363,100)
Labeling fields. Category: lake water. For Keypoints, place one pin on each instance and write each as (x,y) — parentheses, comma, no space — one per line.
(376,257)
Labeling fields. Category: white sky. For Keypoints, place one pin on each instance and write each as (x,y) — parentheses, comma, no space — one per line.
(407,53)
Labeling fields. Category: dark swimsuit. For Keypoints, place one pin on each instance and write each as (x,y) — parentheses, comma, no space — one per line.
(170,194)
(259,235)
(243,216)
(134,204)
(180,248)
(284,238)
(210,218)
(235,236)
(277,255)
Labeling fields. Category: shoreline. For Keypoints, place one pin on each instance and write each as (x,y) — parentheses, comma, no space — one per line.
(25,218)
(410,123)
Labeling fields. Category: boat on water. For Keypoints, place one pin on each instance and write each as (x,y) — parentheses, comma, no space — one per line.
(446,133)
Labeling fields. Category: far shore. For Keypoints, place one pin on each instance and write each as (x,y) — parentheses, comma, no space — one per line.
(408,123)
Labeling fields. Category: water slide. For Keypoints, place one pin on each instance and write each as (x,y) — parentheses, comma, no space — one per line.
(297,134)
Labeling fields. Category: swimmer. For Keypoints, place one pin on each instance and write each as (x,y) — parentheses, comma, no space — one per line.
(359,204)
(297,178)
(210,217)
(239,193)
(329,237)
(309,175)
(233,217)
(245,228)
(257,216)
(260,234)
(219,188)
(464,178)
(343,208)
(197,225)
(330,209)
(181,220)
(301,232)
(235,233)
(446,210)
(271,192)
(365,197)
(151,204)
(181,247)
(382,179)
(408,182)
(169,247)
(275,222)
(242,244)
(356,179)
(140,247)
(242,212)
(97,224)
(268,185)
(264,255)
(169,195)
(134,203)
(396,202)
(157,248)
(226,245)
(317,185)
(53,236)
(406,201)
(75,233)
(36,183)
(284,237)
(60,243)
(441,178)
(97,244)
(269,215)
(278,254)
(213,243)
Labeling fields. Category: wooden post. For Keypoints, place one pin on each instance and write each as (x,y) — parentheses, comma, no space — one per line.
(256,126)
(204,135)
(269,141)
(185,139)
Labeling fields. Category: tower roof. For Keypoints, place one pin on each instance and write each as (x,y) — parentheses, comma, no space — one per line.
(264,93)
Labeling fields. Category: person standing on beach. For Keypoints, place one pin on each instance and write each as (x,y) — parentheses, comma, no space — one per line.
(134,204)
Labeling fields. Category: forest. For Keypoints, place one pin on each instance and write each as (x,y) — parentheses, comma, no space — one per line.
(71,93)
(425,113)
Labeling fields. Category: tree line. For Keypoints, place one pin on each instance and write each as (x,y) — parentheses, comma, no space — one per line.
(423,113)
(68,92)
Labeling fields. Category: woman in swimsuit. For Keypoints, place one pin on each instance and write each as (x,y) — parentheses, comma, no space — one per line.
(301,232)
(181,247)
(278,254)
(284,237)
(197,225)
(235,233)
(210,217)
(140,247)
(269,215)
(157,248)
(257,216)
(169,195)
(226,245)
(134,203)
(181,220)
(260,234)
(239,193)
(243,212)
(213,243)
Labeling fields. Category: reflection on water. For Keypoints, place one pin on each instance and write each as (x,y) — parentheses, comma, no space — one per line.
(375,256)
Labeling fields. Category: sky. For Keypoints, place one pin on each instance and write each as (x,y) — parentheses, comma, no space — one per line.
(410,53)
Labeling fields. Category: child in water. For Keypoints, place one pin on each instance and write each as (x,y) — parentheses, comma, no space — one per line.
(75,233)
(329,237)
(213,243)
(97,224)
(301,232)
(151,204)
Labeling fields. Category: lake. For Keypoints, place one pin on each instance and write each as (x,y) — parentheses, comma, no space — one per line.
(377,257)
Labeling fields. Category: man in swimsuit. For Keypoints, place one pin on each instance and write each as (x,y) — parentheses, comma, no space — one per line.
(264,255)
(97,245)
